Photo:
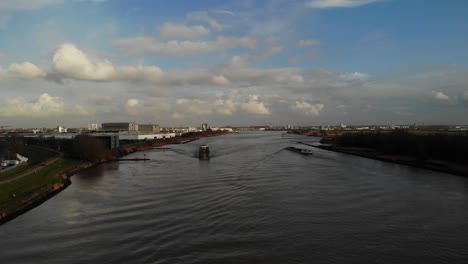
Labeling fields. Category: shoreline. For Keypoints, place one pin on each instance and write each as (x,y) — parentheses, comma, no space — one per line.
(434,165)
(41,195)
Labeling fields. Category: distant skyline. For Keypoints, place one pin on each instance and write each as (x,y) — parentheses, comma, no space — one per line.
(74,62)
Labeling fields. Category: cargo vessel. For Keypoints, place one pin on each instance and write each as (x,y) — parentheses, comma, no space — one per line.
(204,152)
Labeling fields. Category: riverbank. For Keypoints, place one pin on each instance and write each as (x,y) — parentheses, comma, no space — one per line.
(57,181)
(435,165)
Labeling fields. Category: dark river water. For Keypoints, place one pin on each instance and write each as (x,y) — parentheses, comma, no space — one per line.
(253,202)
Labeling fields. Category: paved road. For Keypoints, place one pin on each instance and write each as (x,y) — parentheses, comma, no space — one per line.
(30,171)
(33,169)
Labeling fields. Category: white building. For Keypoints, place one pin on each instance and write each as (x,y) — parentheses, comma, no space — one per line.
(62,129)
(149,128)
(5,163)
(21,158)
(92,127)
(145,136)
(229,129)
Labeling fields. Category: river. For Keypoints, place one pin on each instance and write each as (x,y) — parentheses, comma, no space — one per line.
(252,202)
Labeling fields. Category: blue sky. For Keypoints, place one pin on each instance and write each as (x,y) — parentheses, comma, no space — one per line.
(312,62)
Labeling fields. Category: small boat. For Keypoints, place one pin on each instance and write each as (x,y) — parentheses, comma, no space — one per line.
(300,150)
(204,152)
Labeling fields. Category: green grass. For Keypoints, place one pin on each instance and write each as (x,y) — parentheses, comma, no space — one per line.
(10,173)
(36,155)
(44,176)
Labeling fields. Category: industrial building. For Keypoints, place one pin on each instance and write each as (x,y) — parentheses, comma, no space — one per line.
(120,126)
(149,128)
(110,141)
(149,136)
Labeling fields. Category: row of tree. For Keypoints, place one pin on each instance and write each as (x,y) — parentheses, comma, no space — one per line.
(82,147)
(442,146)
(11,145)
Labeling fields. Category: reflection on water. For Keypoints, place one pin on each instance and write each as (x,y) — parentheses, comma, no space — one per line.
(252,202)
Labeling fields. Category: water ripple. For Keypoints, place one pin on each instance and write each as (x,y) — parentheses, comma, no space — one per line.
(251,203)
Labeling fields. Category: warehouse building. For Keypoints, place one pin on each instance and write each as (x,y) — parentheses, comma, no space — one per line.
(149,128)
(125,126)
(110,141)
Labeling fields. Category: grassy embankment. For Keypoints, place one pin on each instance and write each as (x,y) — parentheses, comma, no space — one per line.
(36,156)
(10,192)
(23,181)
(33,183)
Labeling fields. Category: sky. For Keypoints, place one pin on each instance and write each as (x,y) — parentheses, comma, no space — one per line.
(239,62)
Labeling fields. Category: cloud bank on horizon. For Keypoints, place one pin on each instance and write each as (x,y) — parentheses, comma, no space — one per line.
(271,62)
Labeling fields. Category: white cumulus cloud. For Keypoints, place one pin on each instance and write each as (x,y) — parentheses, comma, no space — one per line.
(133,107)
(219,80)
(26,70)
(187,107)
(439,96)
(255,106)
(307,108)
(195,107)
(238,70)
(151,106)
(297,78)
(225,107)
(176,31)
(44,106)
(132,102)
(74,63)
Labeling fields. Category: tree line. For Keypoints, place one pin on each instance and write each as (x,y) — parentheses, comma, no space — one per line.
(81,147)
(441,146)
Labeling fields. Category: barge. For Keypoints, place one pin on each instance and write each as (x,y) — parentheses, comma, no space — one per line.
(204,152)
